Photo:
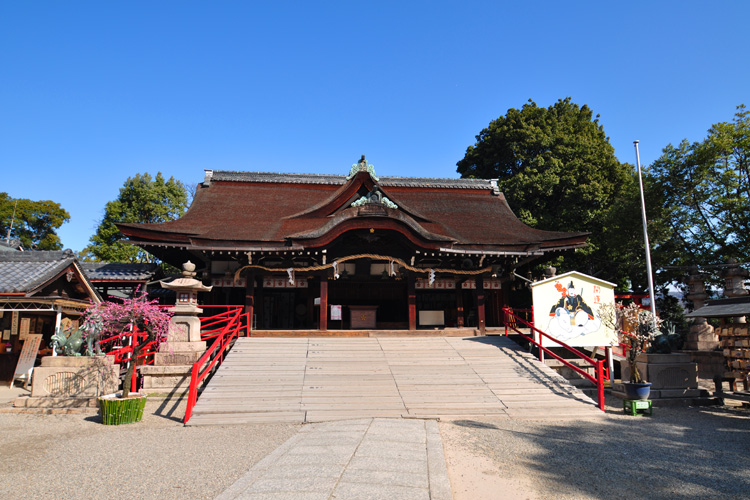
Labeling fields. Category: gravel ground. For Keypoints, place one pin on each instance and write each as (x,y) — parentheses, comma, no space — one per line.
(678,452)
(76,457)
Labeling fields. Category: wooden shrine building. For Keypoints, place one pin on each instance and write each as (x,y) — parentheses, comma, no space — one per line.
(305,251)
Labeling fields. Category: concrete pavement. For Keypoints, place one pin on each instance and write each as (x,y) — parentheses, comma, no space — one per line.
(371,459)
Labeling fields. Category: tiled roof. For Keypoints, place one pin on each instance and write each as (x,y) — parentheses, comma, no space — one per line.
(338,180)
(21,272)
(11,245)
(723,308)
(119,271)
(243,210)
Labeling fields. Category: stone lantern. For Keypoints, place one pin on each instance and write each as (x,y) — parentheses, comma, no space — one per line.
(170,373)
(184,344)
(701,336)
(734,283)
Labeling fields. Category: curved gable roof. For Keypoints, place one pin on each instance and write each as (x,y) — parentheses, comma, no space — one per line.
(242,209)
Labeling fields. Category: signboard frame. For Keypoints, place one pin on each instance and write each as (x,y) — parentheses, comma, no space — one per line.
(571,314)
(27,358)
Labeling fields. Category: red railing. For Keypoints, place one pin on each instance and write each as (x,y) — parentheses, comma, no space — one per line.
(223,328)
(123,354)
(511,321)
(211,326)
(121,346)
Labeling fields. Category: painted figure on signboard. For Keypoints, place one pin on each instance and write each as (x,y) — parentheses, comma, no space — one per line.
(571,316)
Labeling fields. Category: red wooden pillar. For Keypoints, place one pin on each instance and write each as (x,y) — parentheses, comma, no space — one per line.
(459,305)
(323,303)
(480,304)
(250,300)
(412,301)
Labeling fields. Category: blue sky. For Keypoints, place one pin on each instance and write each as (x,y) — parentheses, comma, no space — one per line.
(94,92)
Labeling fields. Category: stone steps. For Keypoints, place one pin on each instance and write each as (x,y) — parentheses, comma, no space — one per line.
(316,379)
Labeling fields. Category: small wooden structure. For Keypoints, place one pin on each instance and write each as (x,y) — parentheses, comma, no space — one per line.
(40,292)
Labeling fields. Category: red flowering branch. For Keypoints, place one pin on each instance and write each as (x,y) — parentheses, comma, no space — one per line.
(137,314)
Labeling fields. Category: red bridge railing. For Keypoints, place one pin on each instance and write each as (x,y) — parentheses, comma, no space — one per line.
(221,330)
(512,321)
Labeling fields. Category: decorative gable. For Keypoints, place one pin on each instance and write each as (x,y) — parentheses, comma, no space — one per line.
(362,166)
(374,197)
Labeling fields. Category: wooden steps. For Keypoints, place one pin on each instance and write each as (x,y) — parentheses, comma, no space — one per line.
(314,379)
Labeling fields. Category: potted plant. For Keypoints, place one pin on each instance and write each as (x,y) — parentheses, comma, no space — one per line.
(109,319)
(636,329)
(640,328)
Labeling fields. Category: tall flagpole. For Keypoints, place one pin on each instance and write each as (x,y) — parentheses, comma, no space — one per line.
(645,232)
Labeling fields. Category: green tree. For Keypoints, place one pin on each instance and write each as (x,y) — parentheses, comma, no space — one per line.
(704,196)
(142,199)
(559,172)
(35,222)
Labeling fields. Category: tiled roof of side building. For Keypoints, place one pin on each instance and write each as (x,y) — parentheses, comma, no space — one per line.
(273,177)
(10,245)
(23,271)
(119,271)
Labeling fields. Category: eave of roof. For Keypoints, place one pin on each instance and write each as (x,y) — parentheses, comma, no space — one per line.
(723,308)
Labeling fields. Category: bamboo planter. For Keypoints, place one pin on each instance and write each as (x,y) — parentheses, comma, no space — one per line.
(117,410)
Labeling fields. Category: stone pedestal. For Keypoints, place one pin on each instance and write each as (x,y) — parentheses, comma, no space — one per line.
(166,380)
(701,337)
(71,381)
(673,378)
(184,345)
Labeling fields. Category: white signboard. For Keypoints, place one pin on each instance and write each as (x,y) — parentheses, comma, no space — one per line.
(24,331)
(335,312)
(26,360)
(567,308)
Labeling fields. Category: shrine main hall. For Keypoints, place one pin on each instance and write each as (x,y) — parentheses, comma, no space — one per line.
(311,251)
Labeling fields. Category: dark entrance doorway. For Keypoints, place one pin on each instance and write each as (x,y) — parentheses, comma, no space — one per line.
(388,294)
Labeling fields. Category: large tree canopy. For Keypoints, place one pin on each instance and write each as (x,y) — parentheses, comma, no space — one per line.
(703,190)
(141,199)
(35,222)
(558,172)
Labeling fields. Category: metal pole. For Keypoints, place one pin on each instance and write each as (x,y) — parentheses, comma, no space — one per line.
(645,233)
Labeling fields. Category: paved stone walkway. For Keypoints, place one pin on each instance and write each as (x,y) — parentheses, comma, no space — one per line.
(322,379)
(352,459)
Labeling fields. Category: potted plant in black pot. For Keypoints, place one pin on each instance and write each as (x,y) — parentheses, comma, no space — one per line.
(109,319)
(636,328)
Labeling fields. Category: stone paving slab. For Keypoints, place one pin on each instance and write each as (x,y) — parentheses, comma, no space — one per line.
(354,459)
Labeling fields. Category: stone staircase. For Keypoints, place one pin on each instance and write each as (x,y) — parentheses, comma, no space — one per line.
(319,378)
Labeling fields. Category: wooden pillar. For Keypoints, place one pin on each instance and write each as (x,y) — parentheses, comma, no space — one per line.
(323,303)
(459,305)
(250,300)
(412,301)
(480,304)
